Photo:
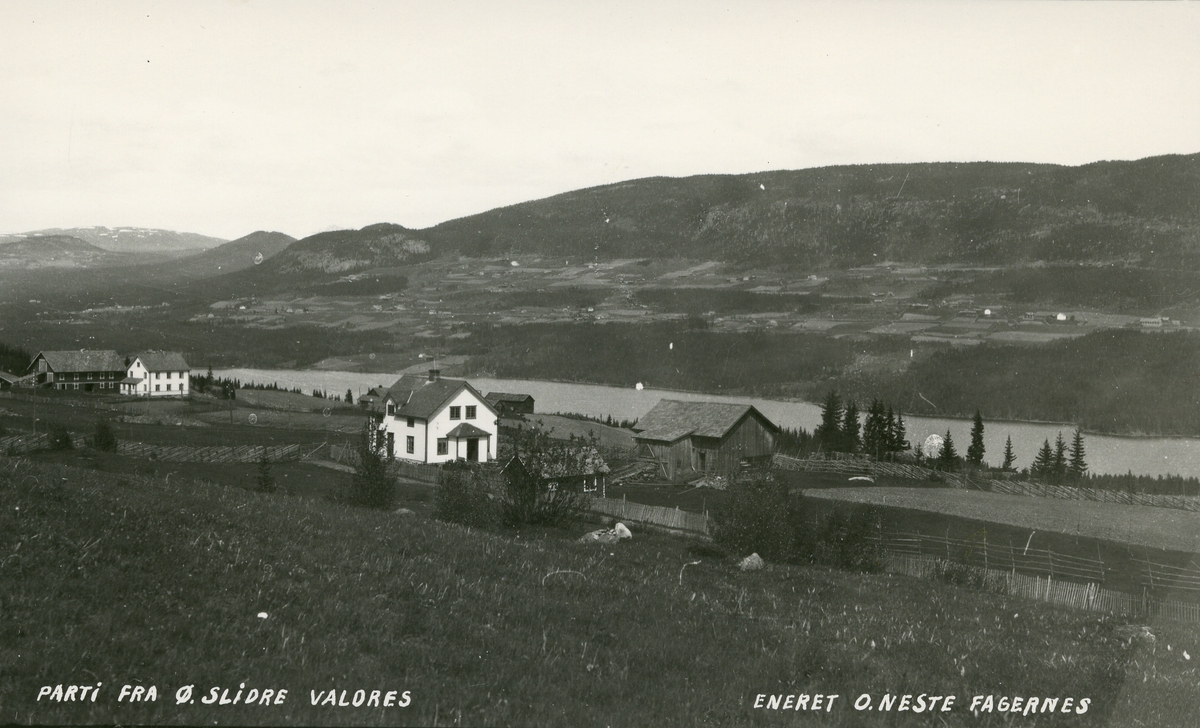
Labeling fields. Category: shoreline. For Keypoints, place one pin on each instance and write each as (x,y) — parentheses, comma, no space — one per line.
(1067,427)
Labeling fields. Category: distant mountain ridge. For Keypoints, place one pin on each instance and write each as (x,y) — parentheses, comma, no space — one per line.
(56,251)
(126,239)
(983,213)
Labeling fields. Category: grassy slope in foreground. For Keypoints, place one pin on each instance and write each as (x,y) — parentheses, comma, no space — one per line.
(131,580)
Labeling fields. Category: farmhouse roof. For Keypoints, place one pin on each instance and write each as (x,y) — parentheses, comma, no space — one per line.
(671,419)
(131,380)
(85,360)
(467,430)
(417,396)
(163,361)
(10,378)
(507,397)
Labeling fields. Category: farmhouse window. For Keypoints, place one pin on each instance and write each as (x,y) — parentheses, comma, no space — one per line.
(410,444)
(412,422)
(89,376)
(156,387)
(77,378)
(76,386)
(443,446)
(470,412)
(455,413)
(168,387)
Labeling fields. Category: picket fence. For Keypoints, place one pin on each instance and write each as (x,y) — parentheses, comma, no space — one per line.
(213,454)
(672,518)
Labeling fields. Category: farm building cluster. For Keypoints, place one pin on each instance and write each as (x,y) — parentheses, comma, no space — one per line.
(144,374)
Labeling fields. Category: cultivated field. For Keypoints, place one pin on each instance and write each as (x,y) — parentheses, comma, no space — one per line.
(1161,528)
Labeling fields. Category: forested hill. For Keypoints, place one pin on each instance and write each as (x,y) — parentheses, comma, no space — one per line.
(1145,211)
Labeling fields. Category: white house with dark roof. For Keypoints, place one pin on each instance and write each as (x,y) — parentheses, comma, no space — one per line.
(157,374)
(688,439)
(433,420)
(84,370)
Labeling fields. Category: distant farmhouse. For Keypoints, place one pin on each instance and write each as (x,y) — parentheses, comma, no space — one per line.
(88,371)
(688,439)
(435,420)
(157,374)
(372,397)
(505,403)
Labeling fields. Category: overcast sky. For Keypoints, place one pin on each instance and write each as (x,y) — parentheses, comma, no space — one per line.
(228,117)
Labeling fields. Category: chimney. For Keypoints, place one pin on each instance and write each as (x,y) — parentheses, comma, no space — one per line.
(435,374)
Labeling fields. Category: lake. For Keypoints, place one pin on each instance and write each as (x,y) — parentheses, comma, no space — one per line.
(1105,454)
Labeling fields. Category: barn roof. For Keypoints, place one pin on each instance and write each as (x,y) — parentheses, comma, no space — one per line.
(10,378)
(507,397)
(671,419)
(85,360)
(163,361)
(417,396)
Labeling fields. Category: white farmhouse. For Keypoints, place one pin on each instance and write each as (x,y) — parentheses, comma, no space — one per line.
(435,420)
(157,374)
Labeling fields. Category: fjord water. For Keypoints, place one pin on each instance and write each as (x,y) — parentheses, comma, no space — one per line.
(1105,454)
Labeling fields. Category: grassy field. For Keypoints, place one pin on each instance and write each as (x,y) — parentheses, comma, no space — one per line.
(143,580)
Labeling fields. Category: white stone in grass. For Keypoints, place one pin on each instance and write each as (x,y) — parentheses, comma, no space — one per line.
(403,512)
(753,562)
(262,615)
(621,531)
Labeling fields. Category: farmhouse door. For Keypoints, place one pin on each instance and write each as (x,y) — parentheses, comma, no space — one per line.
(473,449)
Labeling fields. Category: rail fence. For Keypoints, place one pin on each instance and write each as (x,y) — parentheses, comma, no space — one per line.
(1086,596)
(212,454)
(21,444)
(672,518)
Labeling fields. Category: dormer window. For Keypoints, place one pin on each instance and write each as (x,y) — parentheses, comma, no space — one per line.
(391,408)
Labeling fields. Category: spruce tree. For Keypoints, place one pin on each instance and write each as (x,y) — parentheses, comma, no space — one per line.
(828,433)
(897,436)
(1009,456)
(851,441)
(975,449)
(1043,462)
(948,458)
(349,396)
(874,437)
(1059,464)
(1077,466)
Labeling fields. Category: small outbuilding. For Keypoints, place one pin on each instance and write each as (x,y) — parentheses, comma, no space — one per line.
(508,403)
(688,439)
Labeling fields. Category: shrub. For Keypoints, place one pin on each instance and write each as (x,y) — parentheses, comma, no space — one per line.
(529,495)
(756,514)
(266,481)
(372,485)
(528,499)
(104,439)
(848,539)
(60,438)
(466,496)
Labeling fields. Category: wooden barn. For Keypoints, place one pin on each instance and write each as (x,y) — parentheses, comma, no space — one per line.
(692,438)
(508,403)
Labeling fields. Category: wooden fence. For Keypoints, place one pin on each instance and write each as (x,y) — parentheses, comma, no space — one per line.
(421,472)
(21,444)
(214,454)
(672,518)
(1087,596)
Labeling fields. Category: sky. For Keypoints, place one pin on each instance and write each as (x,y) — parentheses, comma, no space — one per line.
(223,118)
